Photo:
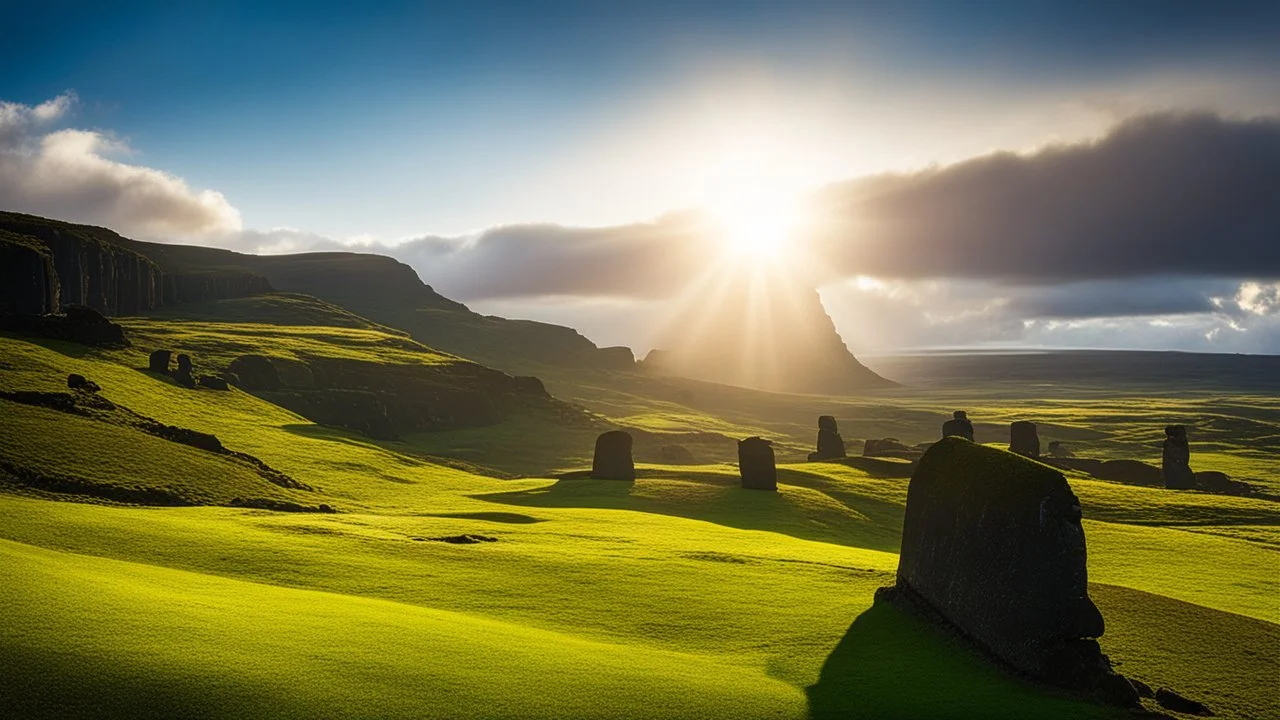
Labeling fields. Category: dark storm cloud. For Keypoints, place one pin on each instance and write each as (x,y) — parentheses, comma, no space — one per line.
(1165,194)
(1122,298)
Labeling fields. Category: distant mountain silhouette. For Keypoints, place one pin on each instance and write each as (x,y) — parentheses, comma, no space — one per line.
(760,330)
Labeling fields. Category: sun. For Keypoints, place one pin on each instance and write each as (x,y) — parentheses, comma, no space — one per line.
(755,223)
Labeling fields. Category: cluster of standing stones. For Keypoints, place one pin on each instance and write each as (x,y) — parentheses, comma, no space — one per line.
(993,550)
(159,362)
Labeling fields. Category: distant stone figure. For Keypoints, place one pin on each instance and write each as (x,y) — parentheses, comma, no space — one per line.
(1023,439)
(613,457)
(993,542)
(255,372)
(1058,449)
(756,464)
(159,361)
(80,382)
(1176,465)
(959,426)
(873,447)
(183,372)
(830,444)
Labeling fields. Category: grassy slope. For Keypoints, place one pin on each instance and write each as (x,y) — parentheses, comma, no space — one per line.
(677,592)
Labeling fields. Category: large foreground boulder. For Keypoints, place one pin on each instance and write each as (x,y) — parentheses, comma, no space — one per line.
(993,543)
(756,464)
(1176,461)
(612,459)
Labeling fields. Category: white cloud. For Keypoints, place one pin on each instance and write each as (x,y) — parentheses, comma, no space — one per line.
(70,174)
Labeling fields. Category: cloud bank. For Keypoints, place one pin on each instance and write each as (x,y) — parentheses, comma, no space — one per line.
(71,174)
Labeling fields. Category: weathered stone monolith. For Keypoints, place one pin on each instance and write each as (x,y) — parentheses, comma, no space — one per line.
(756,464)
(183,372)
(830,444)
(613,457)
(958,426)
(159,361)
(993,543)
(1023,439)
(1176,465)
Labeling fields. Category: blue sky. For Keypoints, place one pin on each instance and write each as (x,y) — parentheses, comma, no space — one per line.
(390,121)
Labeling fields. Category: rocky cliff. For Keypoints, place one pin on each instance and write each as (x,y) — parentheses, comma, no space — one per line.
(56,264)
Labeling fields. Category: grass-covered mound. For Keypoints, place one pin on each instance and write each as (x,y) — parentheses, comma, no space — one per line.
(668,597)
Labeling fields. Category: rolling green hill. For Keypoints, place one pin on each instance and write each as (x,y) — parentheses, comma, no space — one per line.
(440,589)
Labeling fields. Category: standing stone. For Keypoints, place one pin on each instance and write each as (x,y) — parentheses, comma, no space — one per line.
(756,464)
(159,361)
(183,373)
(613,457)
(959,426)
(1023,439)
(830,444)
(1176,465)
(993,543)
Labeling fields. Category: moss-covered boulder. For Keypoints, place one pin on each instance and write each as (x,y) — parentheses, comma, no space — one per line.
(993,543)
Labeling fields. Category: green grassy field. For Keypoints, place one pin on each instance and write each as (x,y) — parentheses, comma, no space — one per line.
(679,595)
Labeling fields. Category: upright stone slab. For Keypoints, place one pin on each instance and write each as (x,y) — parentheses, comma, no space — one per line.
(1023,439)
(756,464)
(159,361)
(958,426)
(830,444)
(1176,463)
(613,457)
(183,373)
(993,543)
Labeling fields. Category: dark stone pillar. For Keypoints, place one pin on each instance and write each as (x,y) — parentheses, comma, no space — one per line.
(756,464)
(1176,465)
(613,457)
(1023,439)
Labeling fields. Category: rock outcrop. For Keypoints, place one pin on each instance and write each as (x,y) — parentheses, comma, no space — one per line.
(830,444)
(958,426)
(612,459)
(79,324)
(1023,439)
(994,544)
(1176,461)
(756,464)
(887,447)
(28,281)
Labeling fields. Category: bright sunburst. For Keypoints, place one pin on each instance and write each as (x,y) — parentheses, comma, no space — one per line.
(755,223)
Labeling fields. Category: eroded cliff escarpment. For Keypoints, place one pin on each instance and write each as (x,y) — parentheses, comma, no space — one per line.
(50,264)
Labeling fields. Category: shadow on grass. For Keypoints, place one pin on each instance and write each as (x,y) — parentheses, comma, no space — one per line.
(498,517)
(893,665)
(717,498)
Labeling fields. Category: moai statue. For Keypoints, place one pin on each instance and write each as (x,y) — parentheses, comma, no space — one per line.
(959,426)
(1176,464)
(756,464)
(159,361)
(830,444)
(1023,439)
(613,457)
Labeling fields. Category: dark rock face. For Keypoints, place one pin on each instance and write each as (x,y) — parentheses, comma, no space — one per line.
(1176,463)
(756,464)
(676,455)
(612,459)
(958,426)
(255,372)
(830,444)
(183,372)
(213,382)
(80,382)
(28,282)
(993,542)
(1171,700)
(1023,439)
(159,361)
(78,324)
